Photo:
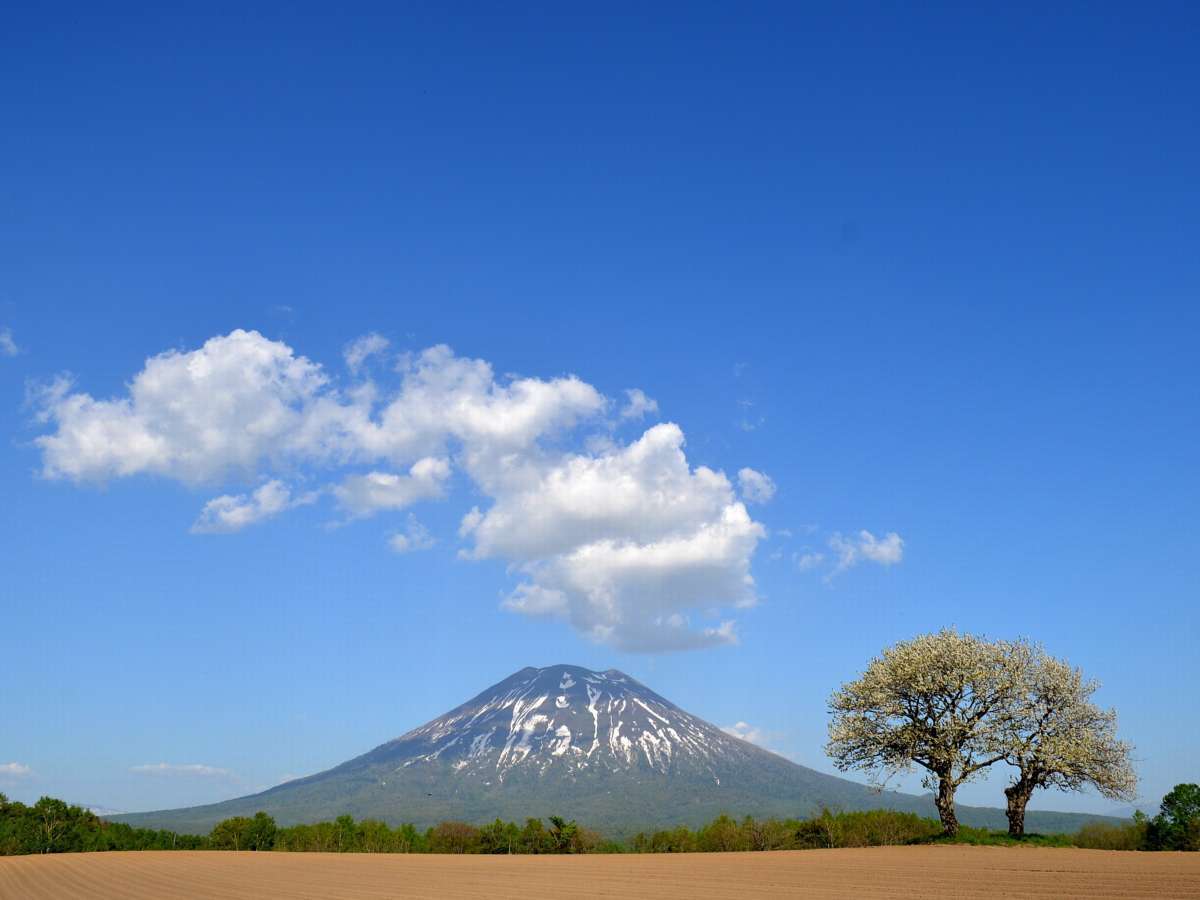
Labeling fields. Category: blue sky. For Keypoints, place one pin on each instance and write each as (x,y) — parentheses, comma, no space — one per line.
(933,274)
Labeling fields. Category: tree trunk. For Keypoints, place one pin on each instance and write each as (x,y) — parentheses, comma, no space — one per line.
(1018,797)
(945,807)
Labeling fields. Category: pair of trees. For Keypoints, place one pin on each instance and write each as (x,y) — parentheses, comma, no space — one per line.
(955,704)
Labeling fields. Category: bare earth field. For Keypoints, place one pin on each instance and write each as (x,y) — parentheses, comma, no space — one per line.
(968,872)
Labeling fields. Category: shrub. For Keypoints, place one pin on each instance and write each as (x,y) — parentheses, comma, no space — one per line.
(1103,836)
(872,828)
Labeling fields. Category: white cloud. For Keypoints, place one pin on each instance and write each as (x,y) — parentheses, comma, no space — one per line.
(414,537)
(885,551)
(755,486)
(181,769)
(358,350)
(469,523)
(242,402)
(230,512)
(808,560)
(444,399)
(14,770)
(233,403)
(364,495)
(627,542)
(638,405)
(746,732)
(8,346)
(642,491)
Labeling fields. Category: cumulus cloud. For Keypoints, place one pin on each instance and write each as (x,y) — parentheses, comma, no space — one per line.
(359,350)
(233,512)
(628,542)
(745,732)
(242,402)
(235,402)
(755,486)
(637,492)
(638,405)
(414,537)
(865,547)
(8,346)
(625,543)
(365,495)
(181,769)
(14,770)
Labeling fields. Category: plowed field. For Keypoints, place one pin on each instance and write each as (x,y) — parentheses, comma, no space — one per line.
(966,872)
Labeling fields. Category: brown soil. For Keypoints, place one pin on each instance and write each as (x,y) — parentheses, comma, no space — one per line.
(958,872)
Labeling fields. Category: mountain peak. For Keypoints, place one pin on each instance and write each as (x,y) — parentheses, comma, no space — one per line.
(568,667)
(567,719)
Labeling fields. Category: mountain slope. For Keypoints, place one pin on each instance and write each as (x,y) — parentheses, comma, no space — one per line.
(598,747)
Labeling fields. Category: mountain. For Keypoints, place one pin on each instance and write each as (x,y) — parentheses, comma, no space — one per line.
(599,747)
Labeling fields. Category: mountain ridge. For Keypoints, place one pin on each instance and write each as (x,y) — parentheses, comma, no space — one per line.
(599,747)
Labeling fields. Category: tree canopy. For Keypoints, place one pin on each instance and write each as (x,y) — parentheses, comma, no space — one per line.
(940,702)
(1056,737)
(1177,825)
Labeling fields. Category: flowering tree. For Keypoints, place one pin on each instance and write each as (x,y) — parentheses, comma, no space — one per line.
(1057,737)
(940,702)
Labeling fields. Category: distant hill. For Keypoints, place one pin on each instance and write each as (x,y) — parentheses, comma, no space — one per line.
(102,811)
(598,747)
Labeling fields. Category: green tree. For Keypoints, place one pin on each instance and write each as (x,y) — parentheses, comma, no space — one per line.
(345,834)
(259,833)
(534,837)
(51,817)
(1177,825)
(375,837)
(409,840)
(230,834)
(499,837)
(564,835)
(722,834)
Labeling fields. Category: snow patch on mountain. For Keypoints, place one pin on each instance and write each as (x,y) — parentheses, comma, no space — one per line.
(566,719)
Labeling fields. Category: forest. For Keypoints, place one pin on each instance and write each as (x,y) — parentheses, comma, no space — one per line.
(53,826)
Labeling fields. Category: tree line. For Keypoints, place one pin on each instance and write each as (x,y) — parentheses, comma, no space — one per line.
(52,826)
